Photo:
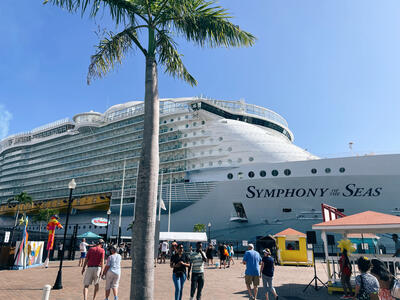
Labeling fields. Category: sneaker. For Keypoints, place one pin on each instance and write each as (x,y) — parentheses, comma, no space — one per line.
(191,298)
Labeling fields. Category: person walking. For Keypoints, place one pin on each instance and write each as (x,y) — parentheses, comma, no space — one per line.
(112,273)
(95,263)
(179,263)
(388,285)
(367,286)
(252,260)
(197,260)
(345,274)
(209,254)
(396,241)
(267,273)
(164,251)
(222,257)
(231,254)
(83,249)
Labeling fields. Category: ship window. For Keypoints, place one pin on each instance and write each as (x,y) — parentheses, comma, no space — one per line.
(220,162)
(286,210)
(165,121)
(239,160)
(314,171)
(229,149)
(220,138)
(194,123)
(203,122)
(90,226)
(171,129)
(186,117)
(251,174)
(210,163)
(184,145)
(251,158)
(202,165)
(230,176)
(203,131)
(274,172)
(193,166)
(172,120)
(342,170)
(240,175)
(187,125)
(185,135)
(287,172)
(179,118)
(230,161)
(327,170)
(263,173)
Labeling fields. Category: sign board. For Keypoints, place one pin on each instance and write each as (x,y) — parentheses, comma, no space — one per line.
(102,222)
(245,243)
(6,237)
(213,242)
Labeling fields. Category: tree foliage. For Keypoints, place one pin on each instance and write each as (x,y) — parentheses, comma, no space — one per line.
(44,215)
(199,228)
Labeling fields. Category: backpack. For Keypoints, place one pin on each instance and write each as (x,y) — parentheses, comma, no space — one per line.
(362,293)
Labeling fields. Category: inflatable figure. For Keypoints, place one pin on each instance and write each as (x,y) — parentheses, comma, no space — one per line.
(51,227)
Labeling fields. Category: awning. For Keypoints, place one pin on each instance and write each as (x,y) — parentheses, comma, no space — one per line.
(183,236)
(89,235)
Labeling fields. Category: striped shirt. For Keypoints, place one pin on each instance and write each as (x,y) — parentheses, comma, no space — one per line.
(197,262)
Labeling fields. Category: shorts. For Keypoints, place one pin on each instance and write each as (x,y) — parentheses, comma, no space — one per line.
(83,254)
(92,275)
(249,279)
(112,280)
(223,257)
(164,253)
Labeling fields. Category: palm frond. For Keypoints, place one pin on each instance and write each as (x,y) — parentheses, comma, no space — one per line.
(171,59)
(111,51)
(120,10)
(205,23)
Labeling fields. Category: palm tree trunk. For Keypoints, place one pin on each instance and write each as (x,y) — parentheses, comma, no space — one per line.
(142,279)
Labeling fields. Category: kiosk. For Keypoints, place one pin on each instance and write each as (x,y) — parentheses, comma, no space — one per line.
(292,248)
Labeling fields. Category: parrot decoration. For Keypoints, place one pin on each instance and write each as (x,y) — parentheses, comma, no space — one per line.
(51,227)
(346,244)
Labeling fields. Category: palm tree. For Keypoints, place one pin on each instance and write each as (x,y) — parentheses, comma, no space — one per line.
(150,26)
(20,199)
(199,228)
(43,216)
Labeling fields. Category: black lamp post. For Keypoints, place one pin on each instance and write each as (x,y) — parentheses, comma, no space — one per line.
(108,222)
(209,232)
(58,283)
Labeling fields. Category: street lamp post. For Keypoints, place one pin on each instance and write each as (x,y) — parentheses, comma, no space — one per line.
(58,283)
(108,222)
(209,232)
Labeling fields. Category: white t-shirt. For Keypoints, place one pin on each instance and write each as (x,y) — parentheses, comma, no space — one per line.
(164,247)
(82,246)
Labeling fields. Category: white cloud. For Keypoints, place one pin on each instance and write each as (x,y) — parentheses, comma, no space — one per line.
(5,117)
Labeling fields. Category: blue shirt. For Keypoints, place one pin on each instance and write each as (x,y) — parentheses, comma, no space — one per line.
(268,269)
(114,262)
(252,259)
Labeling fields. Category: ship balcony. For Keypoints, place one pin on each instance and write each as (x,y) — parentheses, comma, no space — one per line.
(88,120)
(239,215)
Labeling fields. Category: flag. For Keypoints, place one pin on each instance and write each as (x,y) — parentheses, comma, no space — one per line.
(162,204)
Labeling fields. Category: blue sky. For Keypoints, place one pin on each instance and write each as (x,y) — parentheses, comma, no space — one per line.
(330,68)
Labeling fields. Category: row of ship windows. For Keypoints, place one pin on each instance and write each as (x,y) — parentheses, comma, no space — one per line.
(275,173)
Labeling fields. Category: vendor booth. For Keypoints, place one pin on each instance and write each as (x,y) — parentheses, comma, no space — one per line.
(368,222)
(292,248)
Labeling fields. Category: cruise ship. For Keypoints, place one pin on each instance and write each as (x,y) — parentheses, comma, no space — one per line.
(230,165)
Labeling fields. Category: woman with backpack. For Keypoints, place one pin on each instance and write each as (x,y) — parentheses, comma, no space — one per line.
(367,286)
(345,274)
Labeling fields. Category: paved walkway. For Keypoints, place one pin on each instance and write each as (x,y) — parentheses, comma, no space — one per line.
(222,284)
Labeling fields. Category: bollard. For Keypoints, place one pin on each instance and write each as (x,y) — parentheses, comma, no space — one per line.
(46,292)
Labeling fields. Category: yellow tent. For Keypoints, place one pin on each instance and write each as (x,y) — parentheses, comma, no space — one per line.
(292,248)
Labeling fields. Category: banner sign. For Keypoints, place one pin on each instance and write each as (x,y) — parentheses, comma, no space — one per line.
(102,222)
(245,243)
(6,237)
(31,256)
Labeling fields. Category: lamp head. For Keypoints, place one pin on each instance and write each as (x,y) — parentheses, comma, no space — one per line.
(72,184)
(109,212)
(209,224)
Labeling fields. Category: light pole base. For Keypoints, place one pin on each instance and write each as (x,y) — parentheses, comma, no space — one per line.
(58,283)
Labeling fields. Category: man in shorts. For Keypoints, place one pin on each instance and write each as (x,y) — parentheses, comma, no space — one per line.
(95,263)
(252,260)
(164,251)
(83,248)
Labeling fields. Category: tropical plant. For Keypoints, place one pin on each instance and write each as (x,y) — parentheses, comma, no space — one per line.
(150,27)
(130,226)
(199,228)
(20,199)
(43,215)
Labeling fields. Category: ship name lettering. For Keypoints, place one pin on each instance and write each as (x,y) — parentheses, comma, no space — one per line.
(253,192)
(353,191)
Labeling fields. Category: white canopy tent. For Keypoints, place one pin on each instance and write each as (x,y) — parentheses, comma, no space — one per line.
(183,236)
(365,222)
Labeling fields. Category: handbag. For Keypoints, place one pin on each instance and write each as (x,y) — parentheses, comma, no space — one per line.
(362,293)
(395,290)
